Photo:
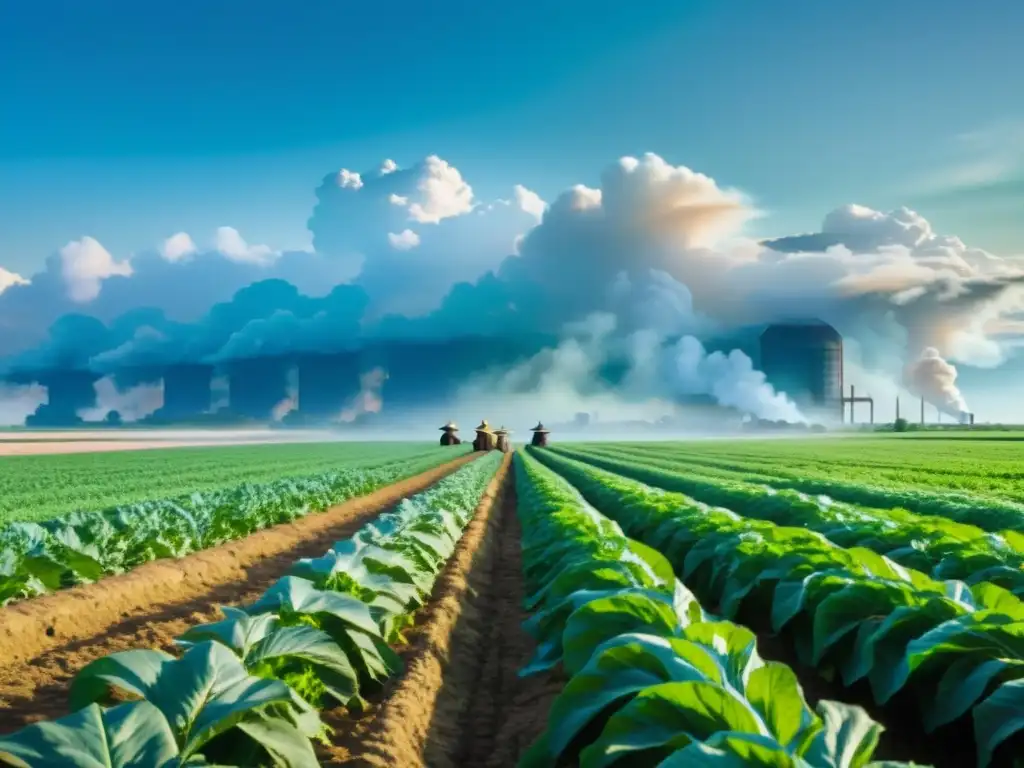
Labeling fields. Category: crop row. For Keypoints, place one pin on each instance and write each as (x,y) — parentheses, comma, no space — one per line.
(943,548)
(82,547)
(45,486)
(653,680)
(851,613)
(247,690)
(986,512)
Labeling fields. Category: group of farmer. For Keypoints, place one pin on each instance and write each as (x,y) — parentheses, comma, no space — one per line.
(488,439)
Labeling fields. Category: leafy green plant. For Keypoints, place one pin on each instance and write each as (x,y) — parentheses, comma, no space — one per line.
(651,675)
(247,689)
(850,610)
(210,701)
(82,547)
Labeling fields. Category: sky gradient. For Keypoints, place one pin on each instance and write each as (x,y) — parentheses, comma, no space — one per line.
(134,121)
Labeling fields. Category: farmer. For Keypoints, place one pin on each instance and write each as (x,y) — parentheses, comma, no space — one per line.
(484,437)
(449,437)
(540,436)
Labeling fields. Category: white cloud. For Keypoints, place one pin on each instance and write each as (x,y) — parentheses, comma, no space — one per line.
(388,166)
(404,240)
(530,201)
(85,264)
(442,193)
(229,242)
(8,278)
(349,179)
(177,247)
(398,199)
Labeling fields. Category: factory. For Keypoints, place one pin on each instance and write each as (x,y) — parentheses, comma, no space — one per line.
(804,359)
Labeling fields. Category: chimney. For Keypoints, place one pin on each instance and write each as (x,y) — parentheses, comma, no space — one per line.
(972,419)
(897,407)
(922,411)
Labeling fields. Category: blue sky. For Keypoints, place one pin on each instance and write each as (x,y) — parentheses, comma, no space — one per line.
(130,121)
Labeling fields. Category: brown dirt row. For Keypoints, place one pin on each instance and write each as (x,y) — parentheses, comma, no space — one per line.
(45,641)
(460,701)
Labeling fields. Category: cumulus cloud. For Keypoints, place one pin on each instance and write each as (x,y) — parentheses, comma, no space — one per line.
(85,264)
(530,201)
(8,278)
(229,242)
(357,227)
(404,240)
(177,247)
(442,193)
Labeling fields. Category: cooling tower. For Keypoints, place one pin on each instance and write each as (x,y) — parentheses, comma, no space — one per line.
(327,383)
(67,392)
(186,391)
(805,360)
(256,385)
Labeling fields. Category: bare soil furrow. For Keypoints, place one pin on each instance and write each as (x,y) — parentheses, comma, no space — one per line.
(45,641)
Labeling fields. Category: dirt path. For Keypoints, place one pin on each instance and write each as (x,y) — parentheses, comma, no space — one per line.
(45,641)
(458,703)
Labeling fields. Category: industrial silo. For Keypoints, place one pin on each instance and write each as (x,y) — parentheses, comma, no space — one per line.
(805,360)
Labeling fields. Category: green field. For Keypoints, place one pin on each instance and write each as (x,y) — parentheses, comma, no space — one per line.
(42,487)
(990,465)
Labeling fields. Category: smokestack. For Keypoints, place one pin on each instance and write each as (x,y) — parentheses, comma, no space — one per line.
(897,407)
(972,419)
(922,411)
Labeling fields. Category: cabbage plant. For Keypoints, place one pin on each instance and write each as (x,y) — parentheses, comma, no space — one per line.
(652,677)
(852,611)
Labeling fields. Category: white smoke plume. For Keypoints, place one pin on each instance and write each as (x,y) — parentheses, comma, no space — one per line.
(220,393)
(368,399)
(934,379)
(131,404)
(290,401)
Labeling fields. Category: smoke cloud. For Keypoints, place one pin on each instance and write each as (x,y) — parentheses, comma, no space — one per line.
(934,379)
(369,398)
(411,253)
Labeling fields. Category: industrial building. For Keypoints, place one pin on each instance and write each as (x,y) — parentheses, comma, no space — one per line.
(805,360)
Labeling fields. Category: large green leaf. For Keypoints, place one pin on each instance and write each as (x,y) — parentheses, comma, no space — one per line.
(997,718)
(237,630)
(848,737)
(202,695)
(962,684)
(844,610)
(131,734)
(993,634)
(774,691)
(313,649)
(622,667)
(294,595)
(602,619)
(732,646)
(667,717)
(728,749)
